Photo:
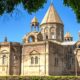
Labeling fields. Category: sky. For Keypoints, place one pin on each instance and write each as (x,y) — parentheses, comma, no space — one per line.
(16,25)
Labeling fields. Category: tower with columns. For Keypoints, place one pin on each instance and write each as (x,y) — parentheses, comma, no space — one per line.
(52,27)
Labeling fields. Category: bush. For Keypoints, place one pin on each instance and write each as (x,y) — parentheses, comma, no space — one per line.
(39,78)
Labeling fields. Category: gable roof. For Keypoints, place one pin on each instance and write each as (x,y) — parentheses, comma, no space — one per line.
(34,52)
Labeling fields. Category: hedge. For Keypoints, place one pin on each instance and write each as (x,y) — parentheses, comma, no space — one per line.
(39,78)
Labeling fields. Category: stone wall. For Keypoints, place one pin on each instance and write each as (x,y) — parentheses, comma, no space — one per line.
(32,50)
(4,58)
(55,59)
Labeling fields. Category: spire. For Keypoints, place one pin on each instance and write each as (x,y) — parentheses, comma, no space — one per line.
(51,16)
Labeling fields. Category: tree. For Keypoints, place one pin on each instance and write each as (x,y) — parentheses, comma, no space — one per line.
(31,5)
(75,5)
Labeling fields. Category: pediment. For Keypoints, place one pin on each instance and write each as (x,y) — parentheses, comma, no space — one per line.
(34,52)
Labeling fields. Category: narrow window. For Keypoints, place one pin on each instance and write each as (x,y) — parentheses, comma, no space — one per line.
(36,60)
(52,30)
(68,39)
(32,60)
(52,35)
(46,36)
(3,59)
(78,46)
(46,32)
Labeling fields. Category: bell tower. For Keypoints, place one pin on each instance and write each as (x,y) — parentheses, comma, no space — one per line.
(34,24)
(68,37)
(51,26)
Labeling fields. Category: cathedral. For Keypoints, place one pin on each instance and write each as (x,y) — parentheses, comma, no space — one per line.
(45,50)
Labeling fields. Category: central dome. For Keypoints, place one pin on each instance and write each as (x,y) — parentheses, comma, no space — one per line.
(51,16)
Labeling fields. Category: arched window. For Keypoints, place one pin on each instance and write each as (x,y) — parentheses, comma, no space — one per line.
(46,36)
(68,39)
(46,33)
(46,30)
(3,59)
(32,60)
(52,35)
(36,60)
(52,31)
(15,57)
(31,39)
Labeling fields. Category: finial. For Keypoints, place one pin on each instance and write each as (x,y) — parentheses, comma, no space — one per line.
(5,39)
(79,35)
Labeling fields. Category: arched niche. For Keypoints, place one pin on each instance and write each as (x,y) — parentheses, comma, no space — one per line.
(46,30)
(46,36)
(31,39)
(4,57)
(52,32)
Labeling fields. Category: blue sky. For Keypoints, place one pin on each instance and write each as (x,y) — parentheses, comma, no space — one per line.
(15,26)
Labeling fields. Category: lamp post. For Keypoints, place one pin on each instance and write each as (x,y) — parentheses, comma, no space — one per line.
(75,53)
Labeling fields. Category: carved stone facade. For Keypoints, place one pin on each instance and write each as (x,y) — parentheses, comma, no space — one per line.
(10,58)
(43,52)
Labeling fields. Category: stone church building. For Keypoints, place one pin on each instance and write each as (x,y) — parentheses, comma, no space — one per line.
(45,50)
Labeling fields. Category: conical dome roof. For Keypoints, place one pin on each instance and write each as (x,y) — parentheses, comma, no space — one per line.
(34,21)
(51,16)
(67,35)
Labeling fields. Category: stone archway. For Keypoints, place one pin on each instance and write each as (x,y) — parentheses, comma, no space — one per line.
(31,39)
